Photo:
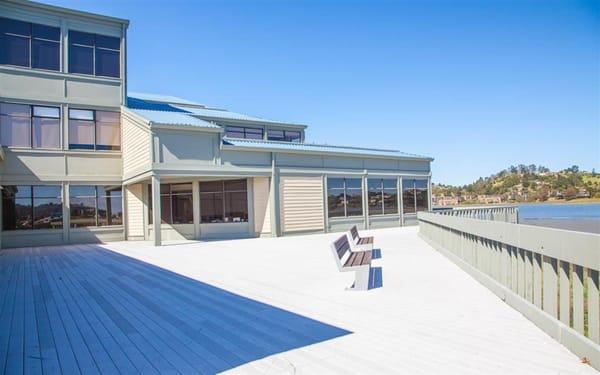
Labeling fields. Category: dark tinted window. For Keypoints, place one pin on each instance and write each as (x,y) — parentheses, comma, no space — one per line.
(94,54)
(31,207)
(375,197)
(353,197)
(390,196)
(284,135)
(110,205)
(176,205)
(243,132)
(223,201)
(95,206)
(421,195)
(29,45)
(408,195)
(107,63)
(344,197)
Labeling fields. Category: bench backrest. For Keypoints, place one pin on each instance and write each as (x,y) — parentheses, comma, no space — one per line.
(341,250)
(354,232)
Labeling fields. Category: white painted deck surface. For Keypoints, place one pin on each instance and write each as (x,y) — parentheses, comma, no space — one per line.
(83,309)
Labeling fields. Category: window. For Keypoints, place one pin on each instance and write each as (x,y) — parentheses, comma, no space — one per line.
(31,207)
(224,201)
(344,197)
(23,125)
(94,130)
(94,54)
(95,206)
(176,205)
(29,45)
(383,196)
(243,132)
(284,135)
(415,195)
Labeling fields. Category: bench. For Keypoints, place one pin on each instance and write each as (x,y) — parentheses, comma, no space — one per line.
(357,261)
(362,243)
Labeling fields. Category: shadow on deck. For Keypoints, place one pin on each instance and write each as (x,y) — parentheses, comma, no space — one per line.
(99,311)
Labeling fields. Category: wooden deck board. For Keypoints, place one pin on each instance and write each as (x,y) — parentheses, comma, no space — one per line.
(249,307)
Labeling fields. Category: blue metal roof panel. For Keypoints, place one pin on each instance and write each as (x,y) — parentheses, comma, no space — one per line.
(227,115)
(312,147)
(173,118)
(161,98)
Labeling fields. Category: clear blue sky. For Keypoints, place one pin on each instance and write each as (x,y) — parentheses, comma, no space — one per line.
(478,85)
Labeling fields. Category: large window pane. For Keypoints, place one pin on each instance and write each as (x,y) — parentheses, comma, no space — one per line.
(108,136)
(46,132)
(421,195)
(254,133)
(276,135)
(110,205)
(17,207)
(375,197)
(81,134)
(354,202)
(45,32)
(109,42)
(45,54)
(182,209)
(211,207)
(47,213)
(82,200)
(107,63)
(335,197)
(81,59)
(14,50)
(292,136)
(16,27)
(15,131)
(236,207)
(390,196)
(234,132)
(408,196)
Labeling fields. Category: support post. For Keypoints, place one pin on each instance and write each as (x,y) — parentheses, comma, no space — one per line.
(156,214)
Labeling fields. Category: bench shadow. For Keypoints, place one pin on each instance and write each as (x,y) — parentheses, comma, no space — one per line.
(375,278)
(212,329)
(376,254)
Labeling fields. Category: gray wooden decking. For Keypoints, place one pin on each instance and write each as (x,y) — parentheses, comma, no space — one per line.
(83,309)
(258,306)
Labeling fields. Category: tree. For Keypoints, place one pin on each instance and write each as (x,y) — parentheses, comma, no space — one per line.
(570,193)
(542,169)
(532,168)
(513,169)
(542,194)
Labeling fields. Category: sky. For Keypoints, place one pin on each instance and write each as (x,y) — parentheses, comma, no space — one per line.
(477,85)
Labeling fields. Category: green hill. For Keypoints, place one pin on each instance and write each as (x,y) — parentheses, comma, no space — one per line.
(524,183)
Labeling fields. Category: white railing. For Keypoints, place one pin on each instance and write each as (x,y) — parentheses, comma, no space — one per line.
(549,275)
(507,214)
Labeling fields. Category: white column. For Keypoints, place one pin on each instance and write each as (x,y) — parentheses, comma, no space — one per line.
(156,210)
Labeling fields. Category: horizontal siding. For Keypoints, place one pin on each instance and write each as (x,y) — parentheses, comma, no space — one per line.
(135,211)
(302,206)
(262,206)
(136,147)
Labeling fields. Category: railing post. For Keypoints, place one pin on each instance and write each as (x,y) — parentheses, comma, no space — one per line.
(537,280)
(593,306)
(578,298)
(550,286)
(565,293)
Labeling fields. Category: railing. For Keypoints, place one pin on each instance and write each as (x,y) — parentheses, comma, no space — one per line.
(507,214)
(549,275)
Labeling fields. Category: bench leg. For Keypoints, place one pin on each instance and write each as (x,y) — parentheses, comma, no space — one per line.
(361,279)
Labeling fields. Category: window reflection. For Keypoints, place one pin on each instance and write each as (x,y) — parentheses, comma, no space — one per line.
(415,195)
(344,197)
(31,207)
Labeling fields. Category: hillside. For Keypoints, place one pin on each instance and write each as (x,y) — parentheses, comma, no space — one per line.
(522,184)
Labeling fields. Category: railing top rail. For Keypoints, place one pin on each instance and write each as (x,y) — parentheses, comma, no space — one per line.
(574,247)
(460,208)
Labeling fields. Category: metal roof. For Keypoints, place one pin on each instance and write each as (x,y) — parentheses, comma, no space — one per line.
(227,115)
(172,118)
(175,104)
(318,148)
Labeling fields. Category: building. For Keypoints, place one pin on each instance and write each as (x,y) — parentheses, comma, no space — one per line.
(84,160)
(446,200)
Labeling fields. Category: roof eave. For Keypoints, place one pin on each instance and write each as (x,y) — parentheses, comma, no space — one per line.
(309,152)
(157,125)
(253,122)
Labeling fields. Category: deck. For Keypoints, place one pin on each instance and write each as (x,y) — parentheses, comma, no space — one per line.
(258,306)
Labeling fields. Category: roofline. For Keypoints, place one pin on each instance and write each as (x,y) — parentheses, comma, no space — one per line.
(54,8)
(310,152)
(253,122)
(159,125)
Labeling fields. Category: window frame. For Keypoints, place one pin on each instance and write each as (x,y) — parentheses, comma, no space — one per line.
(32,199)
(94,121)
(170,194)
(223,192)
(381,191)
(31,117)
(94,47)
(30,38)
(345,189)
(285,137)
(244,130)
(96,197)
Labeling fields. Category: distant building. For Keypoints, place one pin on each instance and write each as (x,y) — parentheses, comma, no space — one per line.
(489,199)
(445,200)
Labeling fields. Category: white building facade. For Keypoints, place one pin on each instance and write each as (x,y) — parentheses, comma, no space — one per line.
(83,160)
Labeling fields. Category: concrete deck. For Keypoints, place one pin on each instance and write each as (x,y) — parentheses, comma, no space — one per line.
(258,306)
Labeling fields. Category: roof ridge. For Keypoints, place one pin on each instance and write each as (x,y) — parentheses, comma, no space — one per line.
(318,145)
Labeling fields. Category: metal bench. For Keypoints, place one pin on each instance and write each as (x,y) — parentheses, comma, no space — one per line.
(357,261)
(362,243)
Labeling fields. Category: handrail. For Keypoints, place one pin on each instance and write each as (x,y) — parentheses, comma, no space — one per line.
(550,275)
(506,213)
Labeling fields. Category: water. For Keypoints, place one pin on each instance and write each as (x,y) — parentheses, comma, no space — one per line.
(578,217)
